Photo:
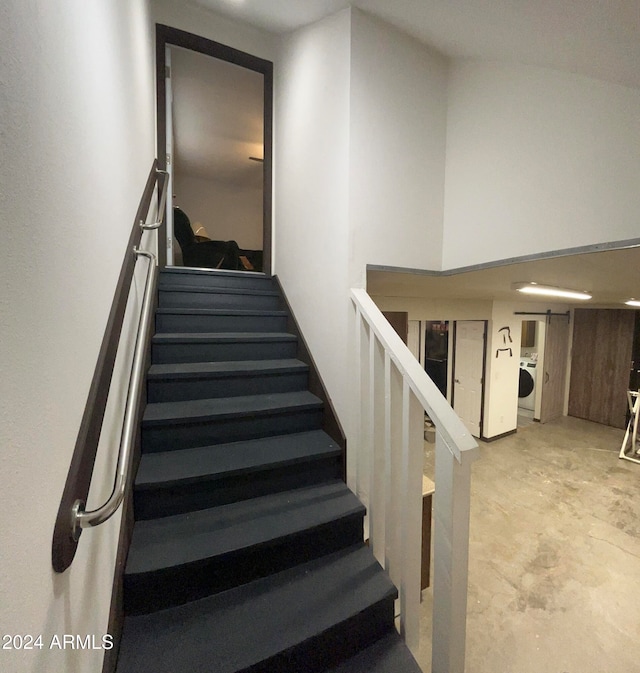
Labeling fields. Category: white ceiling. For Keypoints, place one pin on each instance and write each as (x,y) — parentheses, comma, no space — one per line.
(599,38)
(611,276)
(217,118)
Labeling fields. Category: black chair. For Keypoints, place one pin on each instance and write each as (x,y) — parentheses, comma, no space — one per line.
(203,254)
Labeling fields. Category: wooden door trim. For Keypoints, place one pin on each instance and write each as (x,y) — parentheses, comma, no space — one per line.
(168,36)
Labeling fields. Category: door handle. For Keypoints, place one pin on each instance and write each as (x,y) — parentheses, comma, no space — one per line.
(457,380)
(546,377)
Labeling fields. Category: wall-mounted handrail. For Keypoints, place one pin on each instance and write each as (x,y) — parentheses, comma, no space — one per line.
(161,205)
(80,518)
(64,543)
(385,469)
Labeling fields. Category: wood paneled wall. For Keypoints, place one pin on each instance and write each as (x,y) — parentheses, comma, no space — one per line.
(600,365)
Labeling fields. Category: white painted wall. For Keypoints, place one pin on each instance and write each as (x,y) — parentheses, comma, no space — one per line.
(77,142)
(228,211)
(397,149)
(422,308)
(537,160)
(312,78)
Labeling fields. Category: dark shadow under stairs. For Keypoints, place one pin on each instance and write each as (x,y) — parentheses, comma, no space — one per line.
(247,551)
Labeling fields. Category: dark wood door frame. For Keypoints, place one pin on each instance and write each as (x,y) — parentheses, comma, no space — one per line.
(167,36)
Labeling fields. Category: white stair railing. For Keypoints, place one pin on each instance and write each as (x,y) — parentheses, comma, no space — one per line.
(385,464)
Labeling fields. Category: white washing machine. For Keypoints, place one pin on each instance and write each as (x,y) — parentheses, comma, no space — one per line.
(527,385)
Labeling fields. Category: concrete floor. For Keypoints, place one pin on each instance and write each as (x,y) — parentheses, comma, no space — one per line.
(554,567)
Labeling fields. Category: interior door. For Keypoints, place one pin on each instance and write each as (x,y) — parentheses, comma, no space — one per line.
(399,320)
(468,368)
(230,213)
(554,367)
(600,365)
(169,137)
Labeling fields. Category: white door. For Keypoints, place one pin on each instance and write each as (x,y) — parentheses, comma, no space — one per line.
(467,372)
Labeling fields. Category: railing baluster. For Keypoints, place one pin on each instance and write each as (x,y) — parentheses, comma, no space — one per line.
(364,459)
(397,485)
(355,446)
(379,488)
(388,513)
(370,437)
(411,524)
(451,539)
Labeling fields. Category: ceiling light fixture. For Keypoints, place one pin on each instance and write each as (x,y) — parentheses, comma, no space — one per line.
(550,291)
(632,302)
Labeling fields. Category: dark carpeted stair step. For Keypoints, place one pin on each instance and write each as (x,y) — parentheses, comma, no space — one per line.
(304,619)
(387,655)
(174,482)
(185,557)
(214,278)
(170,296)
(207,347)
(219,320)
(194,380)
(176,425)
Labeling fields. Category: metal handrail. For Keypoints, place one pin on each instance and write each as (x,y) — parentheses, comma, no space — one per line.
(80,518)
(161,205)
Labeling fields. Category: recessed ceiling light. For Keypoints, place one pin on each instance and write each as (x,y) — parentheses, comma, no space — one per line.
(550,291)
(632,302)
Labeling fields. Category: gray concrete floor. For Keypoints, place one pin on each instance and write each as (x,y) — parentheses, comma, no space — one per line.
(554,567)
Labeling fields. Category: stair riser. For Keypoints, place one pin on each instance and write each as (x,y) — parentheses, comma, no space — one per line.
(228,386)
(179,499)
(341,641)
(173,323)
(149,592)
(170,437)
(221,352)
(213,299)
(216,280)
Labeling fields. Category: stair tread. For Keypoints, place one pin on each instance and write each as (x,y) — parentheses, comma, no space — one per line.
(387,655)
(224,368)
(197,271)
(240,627)
(223,460)
(228,407)
(187,538)
(219,337)
(205,289)
(220,311)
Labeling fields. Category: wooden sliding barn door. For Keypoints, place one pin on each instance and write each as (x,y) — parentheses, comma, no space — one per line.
(554,367)
(600,365)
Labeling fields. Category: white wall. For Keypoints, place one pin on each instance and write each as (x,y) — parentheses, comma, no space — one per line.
(422,308)
(228,211)
(537,160)
(312,77)
(77,142)
(397,149)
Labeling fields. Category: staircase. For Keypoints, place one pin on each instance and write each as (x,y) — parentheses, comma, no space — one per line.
(247,550)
